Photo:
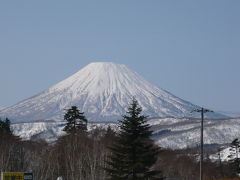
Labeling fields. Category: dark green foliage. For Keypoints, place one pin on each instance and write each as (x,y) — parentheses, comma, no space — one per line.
(110,132)
(5,126)
(234,156)
(133,153)
(75,120)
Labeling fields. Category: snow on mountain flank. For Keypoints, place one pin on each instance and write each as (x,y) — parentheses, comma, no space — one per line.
(185,132)
(174,133)
(49,131)
(103,91)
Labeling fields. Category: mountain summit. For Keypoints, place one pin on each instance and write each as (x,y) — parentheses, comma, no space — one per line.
(102,90)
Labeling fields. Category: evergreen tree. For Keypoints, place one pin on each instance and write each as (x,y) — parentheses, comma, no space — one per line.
(5,126)
(234,156)
(110,132)
(133,153)
(75,120)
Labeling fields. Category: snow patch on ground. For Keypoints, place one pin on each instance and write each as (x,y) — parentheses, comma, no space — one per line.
(223,155)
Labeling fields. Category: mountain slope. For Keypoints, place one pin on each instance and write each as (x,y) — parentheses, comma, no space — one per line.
(185,132)
(103,91)
(174,133)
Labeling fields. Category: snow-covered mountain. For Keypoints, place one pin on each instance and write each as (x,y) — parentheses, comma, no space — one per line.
(103,91)
(174,133)
(185,132)
(50,131)
(1,108)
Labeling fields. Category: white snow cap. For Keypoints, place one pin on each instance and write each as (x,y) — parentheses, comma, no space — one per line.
(103,90)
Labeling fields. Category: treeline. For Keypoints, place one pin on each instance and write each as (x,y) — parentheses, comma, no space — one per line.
(83,157)
(104,154)
(78,156)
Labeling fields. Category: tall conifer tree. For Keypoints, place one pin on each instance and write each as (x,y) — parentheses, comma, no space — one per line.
(133,154)
(5,126)
(75,120)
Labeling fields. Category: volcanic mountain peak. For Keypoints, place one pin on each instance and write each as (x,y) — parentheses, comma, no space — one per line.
(103,91)
(102,76)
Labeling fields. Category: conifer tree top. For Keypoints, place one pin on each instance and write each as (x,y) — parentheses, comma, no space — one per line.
(133,152)
(75,120)
(5,126)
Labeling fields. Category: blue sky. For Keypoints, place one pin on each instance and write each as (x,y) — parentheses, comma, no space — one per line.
(190,48)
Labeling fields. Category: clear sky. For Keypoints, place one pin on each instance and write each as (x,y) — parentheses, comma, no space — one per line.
(190,48)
